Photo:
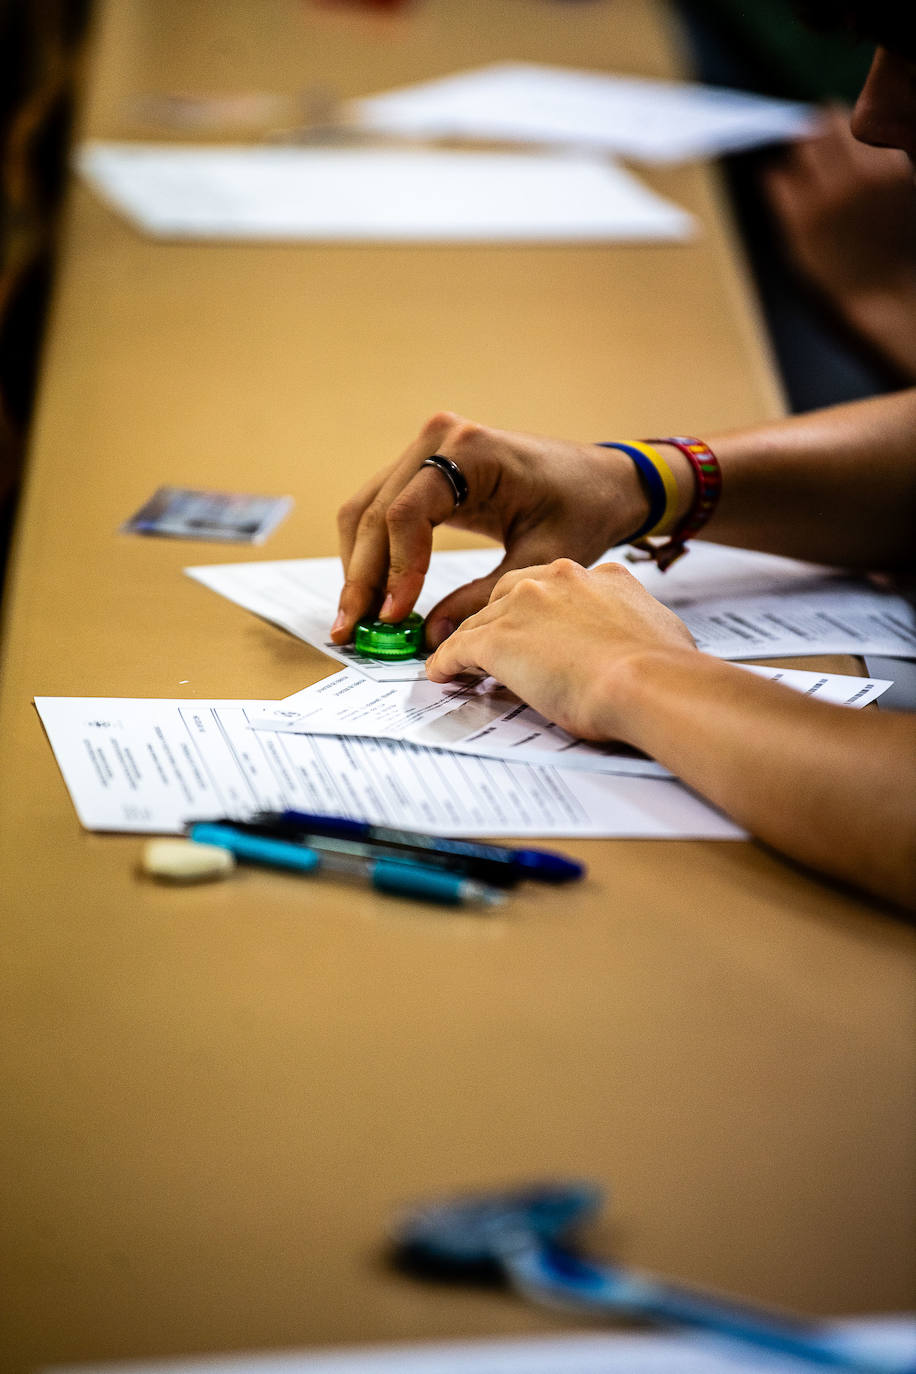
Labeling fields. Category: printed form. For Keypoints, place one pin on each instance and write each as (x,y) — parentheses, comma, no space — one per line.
(153,765)
(736,604)
(487,720)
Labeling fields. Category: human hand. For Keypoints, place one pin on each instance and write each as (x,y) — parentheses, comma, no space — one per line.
(541,498)
(562,638)
(848,212)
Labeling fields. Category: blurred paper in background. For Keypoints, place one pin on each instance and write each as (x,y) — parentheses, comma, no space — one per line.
(634,117)
(375,194)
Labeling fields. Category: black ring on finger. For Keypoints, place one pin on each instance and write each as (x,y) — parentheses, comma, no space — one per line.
(452,474)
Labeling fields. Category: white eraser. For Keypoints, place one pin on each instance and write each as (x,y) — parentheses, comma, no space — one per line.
(184,861)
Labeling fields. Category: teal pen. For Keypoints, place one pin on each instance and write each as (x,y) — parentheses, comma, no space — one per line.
(386,875)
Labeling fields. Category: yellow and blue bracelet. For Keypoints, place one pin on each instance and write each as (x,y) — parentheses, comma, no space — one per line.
(660,485)
(662,490)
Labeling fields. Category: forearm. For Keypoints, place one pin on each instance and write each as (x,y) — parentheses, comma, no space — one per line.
(835,486)
(831,787)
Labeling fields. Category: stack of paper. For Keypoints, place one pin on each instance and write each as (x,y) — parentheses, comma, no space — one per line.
(379,742)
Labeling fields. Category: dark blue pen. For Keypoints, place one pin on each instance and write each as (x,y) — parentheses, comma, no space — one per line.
(541,864)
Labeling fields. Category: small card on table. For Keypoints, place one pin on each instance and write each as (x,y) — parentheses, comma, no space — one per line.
(224,516)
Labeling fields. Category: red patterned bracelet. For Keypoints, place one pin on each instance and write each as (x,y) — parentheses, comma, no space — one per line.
(708,487)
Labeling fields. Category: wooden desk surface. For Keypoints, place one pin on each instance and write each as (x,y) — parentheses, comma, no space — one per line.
(213,1098)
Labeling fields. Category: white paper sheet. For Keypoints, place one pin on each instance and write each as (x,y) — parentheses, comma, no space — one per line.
(491,722)
(842,689)
(153,765)
(375,194)
(891,1339)
(737,604)
(655,121)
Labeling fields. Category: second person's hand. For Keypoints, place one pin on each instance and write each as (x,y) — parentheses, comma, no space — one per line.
(570,642)
(541,498)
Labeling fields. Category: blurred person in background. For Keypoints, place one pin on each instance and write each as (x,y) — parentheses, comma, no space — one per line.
(829,224)
(847,214)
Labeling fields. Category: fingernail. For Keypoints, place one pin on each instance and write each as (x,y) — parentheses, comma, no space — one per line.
(339,623)
(386,606)
(440,630)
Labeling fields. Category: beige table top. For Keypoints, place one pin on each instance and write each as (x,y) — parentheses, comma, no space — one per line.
(213,1098)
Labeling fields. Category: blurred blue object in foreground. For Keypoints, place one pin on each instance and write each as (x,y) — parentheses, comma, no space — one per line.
(523,1236)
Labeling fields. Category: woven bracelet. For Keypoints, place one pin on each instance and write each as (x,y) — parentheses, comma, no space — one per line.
(707,489)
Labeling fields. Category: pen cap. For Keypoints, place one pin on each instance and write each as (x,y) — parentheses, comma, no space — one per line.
(548,867)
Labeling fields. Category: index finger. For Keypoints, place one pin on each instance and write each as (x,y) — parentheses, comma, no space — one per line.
(392,549)
(426,501)
(372,549)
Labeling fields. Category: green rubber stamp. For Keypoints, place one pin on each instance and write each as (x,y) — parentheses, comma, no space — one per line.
(378,639)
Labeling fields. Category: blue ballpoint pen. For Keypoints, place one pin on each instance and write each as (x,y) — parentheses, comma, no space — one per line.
(404,879)
(541,864)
